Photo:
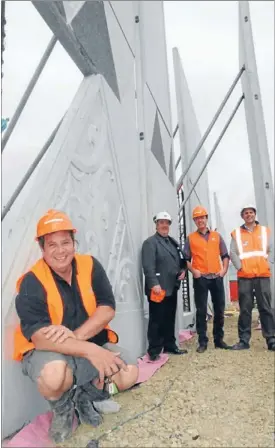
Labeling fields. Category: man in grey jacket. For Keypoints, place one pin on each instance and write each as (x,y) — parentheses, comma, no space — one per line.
(164,268)
(249,250)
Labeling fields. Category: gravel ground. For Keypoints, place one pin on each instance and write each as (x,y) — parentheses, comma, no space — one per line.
(218,398)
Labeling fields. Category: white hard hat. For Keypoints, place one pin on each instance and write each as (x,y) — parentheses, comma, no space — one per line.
(248,206)
(162,215)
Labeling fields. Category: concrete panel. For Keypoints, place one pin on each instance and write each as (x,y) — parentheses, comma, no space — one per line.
(261,169)
(123,57)
(154,53)
(150,110)
(90,28)
(125,14)
(189,138)
(82,178)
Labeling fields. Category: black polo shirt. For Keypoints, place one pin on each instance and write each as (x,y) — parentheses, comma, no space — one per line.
(31,302)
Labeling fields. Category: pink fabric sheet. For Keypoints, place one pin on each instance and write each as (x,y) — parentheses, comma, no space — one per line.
(185,335)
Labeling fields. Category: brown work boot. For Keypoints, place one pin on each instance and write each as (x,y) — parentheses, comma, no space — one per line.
(61,426)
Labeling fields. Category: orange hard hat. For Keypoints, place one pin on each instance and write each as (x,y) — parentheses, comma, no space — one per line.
(53,221)
(199,211)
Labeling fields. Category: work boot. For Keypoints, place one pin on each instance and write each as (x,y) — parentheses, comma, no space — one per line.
(154,357)
(201,348)
(240,346)
(61,426)
(271,344)
(84,406)
(175,351)
(222,345)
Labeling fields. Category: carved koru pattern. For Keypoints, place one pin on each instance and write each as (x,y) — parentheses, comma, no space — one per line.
(90,195)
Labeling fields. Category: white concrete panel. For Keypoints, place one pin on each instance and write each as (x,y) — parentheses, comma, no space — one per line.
(122,55)
(125,14)
(82,178)
(189,139)
(149,117)
(167,142)
(154,52)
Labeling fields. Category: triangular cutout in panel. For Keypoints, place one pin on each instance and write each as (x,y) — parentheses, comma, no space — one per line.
(91,30)
(157,146)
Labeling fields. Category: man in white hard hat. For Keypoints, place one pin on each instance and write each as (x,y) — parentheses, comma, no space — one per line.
(249,249)
(163,267)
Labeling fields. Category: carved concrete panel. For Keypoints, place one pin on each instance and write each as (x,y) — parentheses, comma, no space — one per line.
(82,178)
(98,169)
(155,62)
(189,139)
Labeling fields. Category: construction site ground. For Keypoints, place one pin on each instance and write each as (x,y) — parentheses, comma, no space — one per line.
(215,399)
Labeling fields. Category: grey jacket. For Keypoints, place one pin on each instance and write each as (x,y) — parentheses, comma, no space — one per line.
(161,265)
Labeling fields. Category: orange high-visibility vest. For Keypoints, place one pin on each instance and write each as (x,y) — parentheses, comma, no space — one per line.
(84,267)
(252,248)
(205,254)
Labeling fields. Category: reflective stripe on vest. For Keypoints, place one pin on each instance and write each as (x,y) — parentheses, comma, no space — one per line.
(256,253)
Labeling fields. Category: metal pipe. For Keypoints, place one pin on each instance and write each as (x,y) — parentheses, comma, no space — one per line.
(175,131)
(208,130)
(177,162)
(28,92)
(28,174)
(212,152)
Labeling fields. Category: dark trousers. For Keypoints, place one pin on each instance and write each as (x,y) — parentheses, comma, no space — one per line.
(202,286)
(161,327)
(260,288)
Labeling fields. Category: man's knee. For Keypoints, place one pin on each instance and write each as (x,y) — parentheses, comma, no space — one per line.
(55,378)
(126,379)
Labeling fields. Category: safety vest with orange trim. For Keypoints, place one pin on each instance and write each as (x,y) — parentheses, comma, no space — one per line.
(252,248)
(205,253)
(84,267)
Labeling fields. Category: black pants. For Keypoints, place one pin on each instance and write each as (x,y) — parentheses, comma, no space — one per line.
(202,286)
(161,327)
(260,287)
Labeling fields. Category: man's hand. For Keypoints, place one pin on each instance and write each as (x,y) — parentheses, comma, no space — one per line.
(106,362)
(181,276)
(221,273)
(57,333)
(157,289)
(196,273)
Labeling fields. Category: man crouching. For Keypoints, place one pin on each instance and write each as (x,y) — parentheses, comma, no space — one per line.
(65,303)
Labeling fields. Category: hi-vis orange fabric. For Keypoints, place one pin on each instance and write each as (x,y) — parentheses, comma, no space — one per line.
(205,254)
(252,248)
(157,297)
(84,266)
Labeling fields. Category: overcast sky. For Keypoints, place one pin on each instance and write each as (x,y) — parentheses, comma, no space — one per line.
(206,34)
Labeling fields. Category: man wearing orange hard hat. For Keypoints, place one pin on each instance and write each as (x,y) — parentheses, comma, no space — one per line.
(207,259)
(65,304)
(249,250)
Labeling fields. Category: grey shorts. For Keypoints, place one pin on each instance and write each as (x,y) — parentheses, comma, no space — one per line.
(83,371)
